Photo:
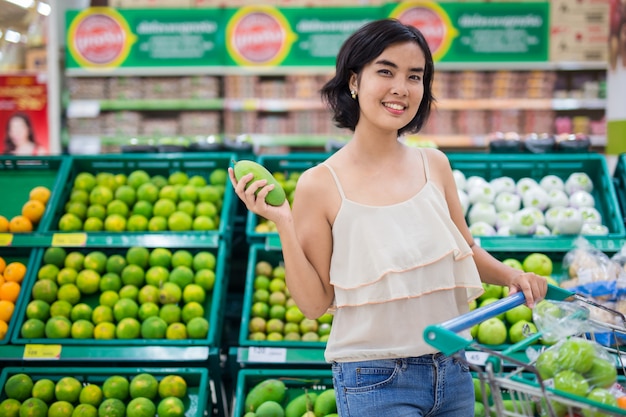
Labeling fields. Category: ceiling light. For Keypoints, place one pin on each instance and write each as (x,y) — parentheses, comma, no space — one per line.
(22,3)
(43,9)
(12,36)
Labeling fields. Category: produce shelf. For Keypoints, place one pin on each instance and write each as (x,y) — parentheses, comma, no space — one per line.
(127,349)
(25,256)
(258,253)
(297,382)
(536,166)
(201,164)
(20,174)
(196,400)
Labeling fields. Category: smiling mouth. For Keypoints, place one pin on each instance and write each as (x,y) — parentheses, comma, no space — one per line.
(394,106)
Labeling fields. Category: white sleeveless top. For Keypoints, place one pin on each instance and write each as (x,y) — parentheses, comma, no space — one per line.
(395,270)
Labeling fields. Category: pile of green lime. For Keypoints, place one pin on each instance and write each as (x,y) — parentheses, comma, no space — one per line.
(139,294)
(140,202)
(141,395)
(274,315)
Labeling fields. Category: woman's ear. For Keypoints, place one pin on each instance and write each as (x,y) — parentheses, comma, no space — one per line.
(353,82)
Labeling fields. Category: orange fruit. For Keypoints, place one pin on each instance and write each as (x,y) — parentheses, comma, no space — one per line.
(9,291)
(621,402)
(2,280)
(40,193)
(4,224)
(33,210)
(6,310)
(20,224)
(3,264)
(3,329)
(15,272)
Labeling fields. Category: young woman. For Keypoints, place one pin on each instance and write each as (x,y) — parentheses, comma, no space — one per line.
(20,138)
(377,235)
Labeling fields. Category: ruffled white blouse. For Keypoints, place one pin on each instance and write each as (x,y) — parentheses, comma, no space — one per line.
(395,270)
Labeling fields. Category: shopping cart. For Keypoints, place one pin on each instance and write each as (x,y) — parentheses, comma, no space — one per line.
(516,387)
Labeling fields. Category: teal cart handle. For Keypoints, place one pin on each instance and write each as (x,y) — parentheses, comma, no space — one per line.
(444,336)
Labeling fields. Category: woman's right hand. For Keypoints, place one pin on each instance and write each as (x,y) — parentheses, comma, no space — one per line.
(256,202)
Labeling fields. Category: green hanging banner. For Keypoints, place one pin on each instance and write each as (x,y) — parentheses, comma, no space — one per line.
(261,36)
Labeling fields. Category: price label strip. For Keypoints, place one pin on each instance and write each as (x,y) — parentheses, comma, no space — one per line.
(42,352)
(69,239)
(6,239)
(477,358)
(267,355)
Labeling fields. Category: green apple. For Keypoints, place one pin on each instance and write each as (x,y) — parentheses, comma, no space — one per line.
(538,263)
(513,263)
(473,304)
(521,312)
(478,392)
(602,396)
(479,409)
(546,363)
(571,382)
(576,354)
(602,374)
(521,330)
(491,291)
(492,332)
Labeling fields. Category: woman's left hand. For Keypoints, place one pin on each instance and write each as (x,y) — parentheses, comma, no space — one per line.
(532,285)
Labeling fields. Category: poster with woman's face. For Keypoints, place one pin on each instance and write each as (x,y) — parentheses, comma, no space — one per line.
(23,115)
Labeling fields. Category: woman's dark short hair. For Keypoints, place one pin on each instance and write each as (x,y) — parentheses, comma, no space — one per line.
(361,48)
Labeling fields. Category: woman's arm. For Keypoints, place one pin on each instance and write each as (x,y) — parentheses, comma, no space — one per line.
(491,270)
(305,238)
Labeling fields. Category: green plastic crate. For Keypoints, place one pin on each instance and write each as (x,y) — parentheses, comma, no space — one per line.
(20,174)
(619,182)
(213,305)
(285,164)
(296,381)
(536,166)
(197,402)
(154,164)
(275,258)
(25,256)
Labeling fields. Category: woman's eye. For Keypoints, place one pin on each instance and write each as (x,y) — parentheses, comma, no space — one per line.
(415,77)
(384,72)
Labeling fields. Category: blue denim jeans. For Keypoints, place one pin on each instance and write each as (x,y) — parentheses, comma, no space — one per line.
(424,386)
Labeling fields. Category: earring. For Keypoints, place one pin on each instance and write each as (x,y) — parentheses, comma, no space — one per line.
(353,94)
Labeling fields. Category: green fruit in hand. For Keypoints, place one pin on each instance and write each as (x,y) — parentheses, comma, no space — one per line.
(277,196)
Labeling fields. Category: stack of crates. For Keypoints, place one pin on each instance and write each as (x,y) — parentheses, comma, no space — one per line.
(127,258)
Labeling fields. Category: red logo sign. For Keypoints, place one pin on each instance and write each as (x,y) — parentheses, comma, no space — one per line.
(99,39)
(259,37)
(428,22)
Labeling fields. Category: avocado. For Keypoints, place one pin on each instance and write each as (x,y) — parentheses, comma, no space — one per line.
(277,196)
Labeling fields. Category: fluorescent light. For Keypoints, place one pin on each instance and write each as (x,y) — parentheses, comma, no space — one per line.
(12,36)
(22,3)
(43,9)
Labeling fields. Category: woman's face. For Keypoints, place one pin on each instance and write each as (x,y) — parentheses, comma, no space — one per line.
(18,131)
(391,87)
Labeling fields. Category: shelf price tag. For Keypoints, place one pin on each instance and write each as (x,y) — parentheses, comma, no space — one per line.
(83,109)
(69,239)
(35,352)
(477,358)
(6,239)
(264,354)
